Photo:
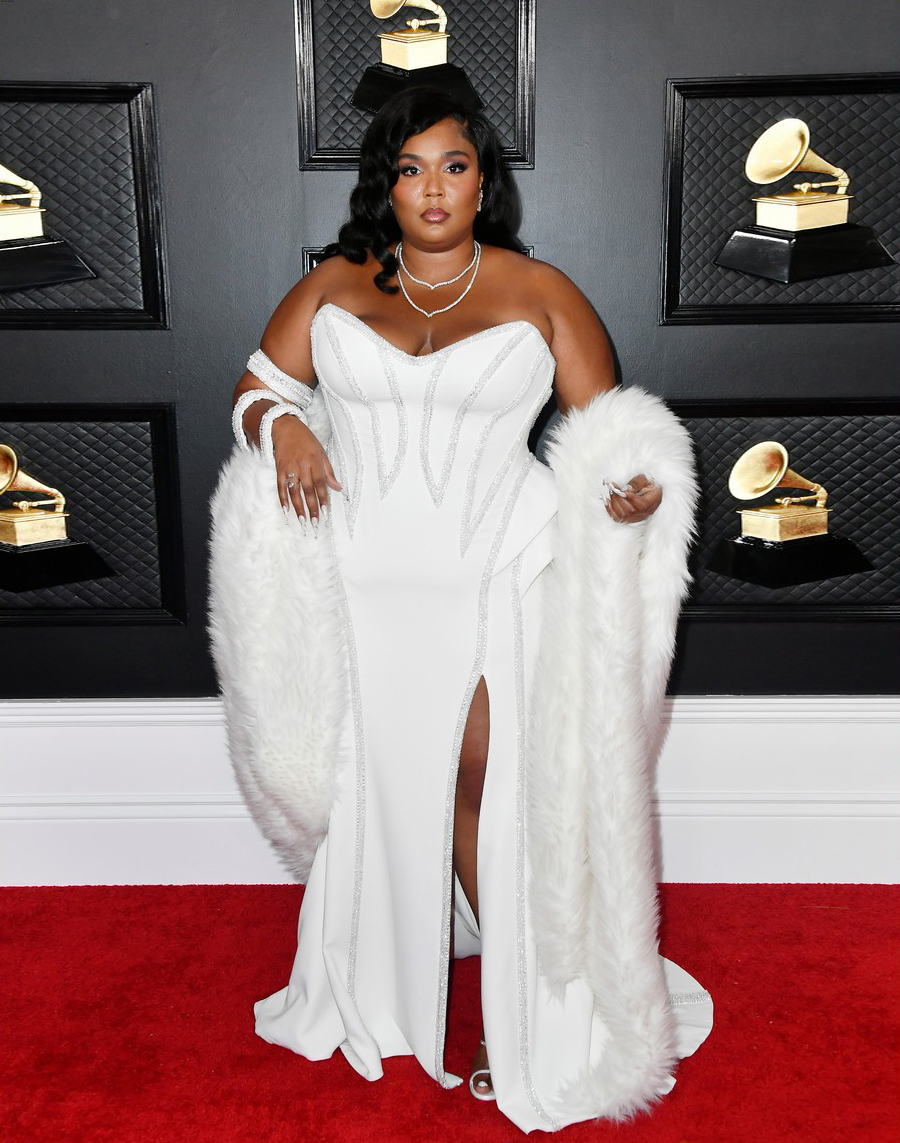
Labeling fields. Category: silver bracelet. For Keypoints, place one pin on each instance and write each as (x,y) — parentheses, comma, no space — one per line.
(240,407)
(266,447)
(266,370)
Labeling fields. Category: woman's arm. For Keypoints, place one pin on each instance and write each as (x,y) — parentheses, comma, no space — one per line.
(286,342)
(304,472)
(584,360)
(584,369)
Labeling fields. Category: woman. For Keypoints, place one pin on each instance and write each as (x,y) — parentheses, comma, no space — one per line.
(436,342)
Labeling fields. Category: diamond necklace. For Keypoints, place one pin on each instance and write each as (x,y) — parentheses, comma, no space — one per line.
(398,254)
(476,261)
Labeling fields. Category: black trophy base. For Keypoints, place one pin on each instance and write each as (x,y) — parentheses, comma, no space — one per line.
(774,563)
(56,562)
(786,256)
(30,263)
(381,81)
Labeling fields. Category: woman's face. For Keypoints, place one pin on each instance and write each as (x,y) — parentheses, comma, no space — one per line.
(436,194)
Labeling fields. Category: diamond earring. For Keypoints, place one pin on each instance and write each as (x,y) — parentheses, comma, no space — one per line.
(480,198)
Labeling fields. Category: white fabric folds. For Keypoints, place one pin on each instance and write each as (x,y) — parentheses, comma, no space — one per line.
(607,637)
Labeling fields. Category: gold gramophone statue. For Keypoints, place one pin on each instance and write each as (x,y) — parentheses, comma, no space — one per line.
(18,219)
(35,549)
(411,56)
(417,45)
(29,257)
(800,233)
(761,469)
(786,542)
(28,521)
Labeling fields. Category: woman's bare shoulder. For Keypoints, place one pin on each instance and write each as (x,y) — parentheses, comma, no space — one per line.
(504,256)
(539,282)
(286,338)
(554,282)
(564,303)
(294,314)
(321,282)
(578,341)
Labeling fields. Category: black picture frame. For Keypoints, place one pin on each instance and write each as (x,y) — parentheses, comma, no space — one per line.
(732,112)
(166,510)
(311,257)
(315,154)
(105,243)
(863,473)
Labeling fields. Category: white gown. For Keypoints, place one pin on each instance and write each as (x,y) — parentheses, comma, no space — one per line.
(443,526)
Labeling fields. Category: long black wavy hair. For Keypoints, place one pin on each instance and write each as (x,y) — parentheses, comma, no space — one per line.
(372,225)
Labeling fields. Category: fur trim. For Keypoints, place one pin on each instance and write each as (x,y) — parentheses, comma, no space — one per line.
(607,639)
(277,639)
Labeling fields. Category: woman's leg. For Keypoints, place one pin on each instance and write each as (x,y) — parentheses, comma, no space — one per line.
(469,788)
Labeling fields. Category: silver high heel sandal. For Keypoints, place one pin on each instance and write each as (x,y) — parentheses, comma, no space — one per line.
(485,1072)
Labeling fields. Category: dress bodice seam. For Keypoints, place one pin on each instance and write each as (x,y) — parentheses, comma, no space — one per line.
(378,339)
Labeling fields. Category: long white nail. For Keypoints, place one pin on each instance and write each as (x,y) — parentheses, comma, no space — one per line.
(324,511)
(302,520)
(315,526)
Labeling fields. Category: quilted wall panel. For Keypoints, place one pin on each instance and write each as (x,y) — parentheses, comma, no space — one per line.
(94,160)
(484,41)
(853,456)
(855,131)
(105,469)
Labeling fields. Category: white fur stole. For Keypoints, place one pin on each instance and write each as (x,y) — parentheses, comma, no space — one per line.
(278,645)
(612,601)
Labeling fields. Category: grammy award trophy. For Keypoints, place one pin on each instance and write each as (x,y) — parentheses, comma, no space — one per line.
(35,548)
(412,56)
(787,542)
(29,258)
(801,233)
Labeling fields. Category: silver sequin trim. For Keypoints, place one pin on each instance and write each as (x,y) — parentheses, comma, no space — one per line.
(241,405)
(339,461)
(439,487)
(469,526)
(402,428)
(370,333)
(699,997)
(266,446)
(385,479)
(352,497)
(521,956)
(444,966)
(284,385)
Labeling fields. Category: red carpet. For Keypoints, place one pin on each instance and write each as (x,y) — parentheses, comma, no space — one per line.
(127,1016)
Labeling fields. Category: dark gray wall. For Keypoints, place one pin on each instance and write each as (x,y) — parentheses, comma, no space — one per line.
(238,212)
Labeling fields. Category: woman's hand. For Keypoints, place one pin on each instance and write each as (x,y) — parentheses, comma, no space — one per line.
(304,471)
(636,502)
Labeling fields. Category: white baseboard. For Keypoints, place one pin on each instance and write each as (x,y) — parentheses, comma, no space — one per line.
(771,789)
